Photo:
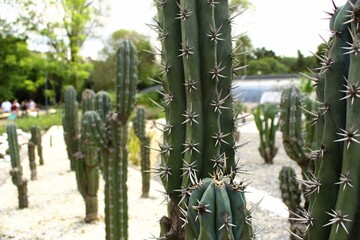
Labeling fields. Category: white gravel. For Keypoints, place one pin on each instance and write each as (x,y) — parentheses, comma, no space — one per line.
(56,209)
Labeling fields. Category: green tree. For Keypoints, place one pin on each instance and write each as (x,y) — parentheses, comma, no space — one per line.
(14,59)
(104,71)
(64,25)
(266,65)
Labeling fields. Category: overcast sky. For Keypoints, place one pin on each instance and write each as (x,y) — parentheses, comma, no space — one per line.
(283,26)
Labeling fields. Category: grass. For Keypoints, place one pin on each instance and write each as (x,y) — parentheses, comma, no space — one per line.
(25,123)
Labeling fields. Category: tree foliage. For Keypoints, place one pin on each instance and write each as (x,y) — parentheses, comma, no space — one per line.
(104,70)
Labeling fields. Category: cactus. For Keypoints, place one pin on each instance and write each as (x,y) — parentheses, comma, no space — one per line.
(139,129)
(298,138)
(39,145)
(16,171)
(31,151)
(334,186)
(35,140)
(70,123)
(86,163)
(111,136)
(291,196)
(198,135)
(264,117)
(217,210)
(291,126)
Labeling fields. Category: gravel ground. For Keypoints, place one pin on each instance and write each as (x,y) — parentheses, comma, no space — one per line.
(56,208)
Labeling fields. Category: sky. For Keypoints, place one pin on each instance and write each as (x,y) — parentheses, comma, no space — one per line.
(283,26)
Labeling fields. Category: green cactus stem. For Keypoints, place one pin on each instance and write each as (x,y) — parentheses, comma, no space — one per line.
(39,145)
(86,164)
(217,210)
(139,129)
(197,67)
(334,204)
(264,117)
(31,150)
(291,127)
(291,196)
(16,171)
(111,136)
(35,141)
(70,121)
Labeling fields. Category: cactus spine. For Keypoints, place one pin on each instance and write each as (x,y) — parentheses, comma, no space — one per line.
(139,129)
(70,122)
(16,171)
(112,139)
(86,164)
(197,75)
(264,117)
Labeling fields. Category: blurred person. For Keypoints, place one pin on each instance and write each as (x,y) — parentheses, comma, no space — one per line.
(6,106)
(23,108)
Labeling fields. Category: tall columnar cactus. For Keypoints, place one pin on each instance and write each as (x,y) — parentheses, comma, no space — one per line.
(70,122)
(197,75)
(140,132)
(31,151)
(111,136)
(86,163)
(267,125)
(16,171)
(335,185)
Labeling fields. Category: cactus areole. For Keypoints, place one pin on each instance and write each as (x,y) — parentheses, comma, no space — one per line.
(198,134)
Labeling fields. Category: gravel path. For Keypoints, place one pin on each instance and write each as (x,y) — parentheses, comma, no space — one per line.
(56,208)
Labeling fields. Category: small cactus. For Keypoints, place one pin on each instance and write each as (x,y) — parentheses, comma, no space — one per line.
(267,125)
(16,171)
(139,129)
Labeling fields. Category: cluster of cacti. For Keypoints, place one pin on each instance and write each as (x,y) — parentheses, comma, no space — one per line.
(140,132)
(334,187)
(267,125)
(198,135)
(87,161)
(70,121)
(16,171)
(109,131)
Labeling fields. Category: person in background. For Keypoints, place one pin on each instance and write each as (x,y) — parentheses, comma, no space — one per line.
(15,107)
(6,106)
(32,105)
(23,109)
